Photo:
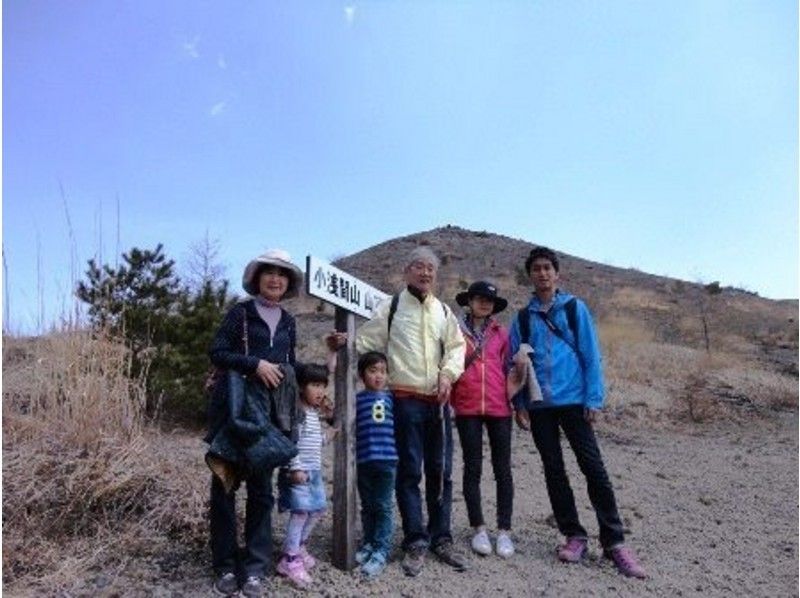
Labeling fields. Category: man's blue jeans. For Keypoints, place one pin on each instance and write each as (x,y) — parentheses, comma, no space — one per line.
(424,438)
(546,423)
(376,480)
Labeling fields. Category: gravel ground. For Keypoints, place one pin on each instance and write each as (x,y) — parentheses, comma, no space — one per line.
(710,510)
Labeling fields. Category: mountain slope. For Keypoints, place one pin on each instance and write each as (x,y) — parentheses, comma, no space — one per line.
(661,336)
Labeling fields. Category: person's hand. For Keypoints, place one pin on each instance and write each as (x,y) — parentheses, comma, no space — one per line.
(335,340)
(269,373)
(298,476)
(590,415)
(445,386)
(523,419)
(327,408)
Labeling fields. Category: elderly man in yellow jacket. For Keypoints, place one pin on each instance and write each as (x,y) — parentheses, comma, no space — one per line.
(425,350)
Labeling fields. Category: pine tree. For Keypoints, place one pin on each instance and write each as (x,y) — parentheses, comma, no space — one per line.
(167,326)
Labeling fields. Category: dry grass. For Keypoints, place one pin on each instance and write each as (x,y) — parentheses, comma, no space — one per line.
(678,383)
(86,484)
(631,298)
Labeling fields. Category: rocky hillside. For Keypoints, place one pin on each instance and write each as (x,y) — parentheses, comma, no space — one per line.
(654,329)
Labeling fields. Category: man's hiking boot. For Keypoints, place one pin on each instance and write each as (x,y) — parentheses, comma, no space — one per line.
(626,561)
(252,587)
(226,584)
(413,560)
(573,550)
(450,556)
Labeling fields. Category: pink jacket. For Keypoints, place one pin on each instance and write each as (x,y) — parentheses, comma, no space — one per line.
(481,389)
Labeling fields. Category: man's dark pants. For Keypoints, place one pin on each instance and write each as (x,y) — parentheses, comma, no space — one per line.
(258,527)
(546,423)
(424,439)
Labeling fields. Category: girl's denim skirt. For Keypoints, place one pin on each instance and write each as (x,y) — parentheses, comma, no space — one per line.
(302,497)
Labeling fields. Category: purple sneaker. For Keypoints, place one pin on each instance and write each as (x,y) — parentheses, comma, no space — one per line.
(626,562)
(573,550)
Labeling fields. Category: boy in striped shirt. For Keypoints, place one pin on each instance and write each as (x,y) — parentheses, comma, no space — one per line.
(376,459)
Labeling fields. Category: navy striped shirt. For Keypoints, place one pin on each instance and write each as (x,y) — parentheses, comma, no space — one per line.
(375,426)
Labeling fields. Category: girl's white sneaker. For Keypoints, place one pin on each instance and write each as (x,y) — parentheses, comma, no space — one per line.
(481,543)
(505,547)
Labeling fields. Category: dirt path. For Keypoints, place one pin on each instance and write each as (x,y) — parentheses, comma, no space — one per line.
(711,511)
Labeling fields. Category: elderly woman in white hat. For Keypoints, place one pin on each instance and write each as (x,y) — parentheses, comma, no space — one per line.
(256,337)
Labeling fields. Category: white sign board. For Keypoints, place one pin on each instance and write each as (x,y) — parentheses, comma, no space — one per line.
(340,288)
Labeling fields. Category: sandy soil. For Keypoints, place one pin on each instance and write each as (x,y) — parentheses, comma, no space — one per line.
(709,510)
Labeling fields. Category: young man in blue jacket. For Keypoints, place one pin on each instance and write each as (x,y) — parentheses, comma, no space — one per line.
(567,363)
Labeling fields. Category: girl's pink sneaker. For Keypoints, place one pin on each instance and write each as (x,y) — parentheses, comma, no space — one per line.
(291,566)
(309,562)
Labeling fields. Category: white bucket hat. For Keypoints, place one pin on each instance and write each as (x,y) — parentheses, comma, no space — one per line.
(273,257)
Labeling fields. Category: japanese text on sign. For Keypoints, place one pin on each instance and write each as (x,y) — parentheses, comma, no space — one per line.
(340,288)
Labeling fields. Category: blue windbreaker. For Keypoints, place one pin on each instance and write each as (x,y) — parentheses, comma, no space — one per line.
(565,378)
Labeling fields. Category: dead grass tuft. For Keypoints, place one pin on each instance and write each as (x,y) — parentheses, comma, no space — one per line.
(717,391)
(87,485)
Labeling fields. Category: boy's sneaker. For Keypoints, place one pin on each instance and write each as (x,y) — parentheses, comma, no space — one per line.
(309,562)
(573,550)
(252,587)
(374,566)
(481,543)
(449,555)
(291,567)
(413,560)
(226,584)
(626,561)
(363,554)
(505,547)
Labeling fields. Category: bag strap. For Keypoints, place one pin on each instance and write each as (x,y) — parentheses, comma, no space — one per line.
(393,309)
(570,307)
(524,319)
(478,349)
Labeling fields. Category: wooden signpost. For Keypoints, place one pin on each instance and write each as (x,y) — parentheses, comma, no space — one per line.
(351,297)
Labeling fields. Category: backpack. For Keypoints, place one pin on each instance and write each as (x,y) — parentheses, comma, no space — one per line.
(393,309)
(570,307)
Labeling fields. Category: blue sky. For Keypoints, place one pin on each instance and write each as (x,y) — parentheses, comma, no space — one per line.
(655,135)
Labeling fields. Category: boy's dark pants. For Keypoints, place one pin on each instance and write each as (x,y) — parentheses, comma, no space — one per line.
(258,527)
(545,425)
(470,432)
(422,435)
(376,481)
